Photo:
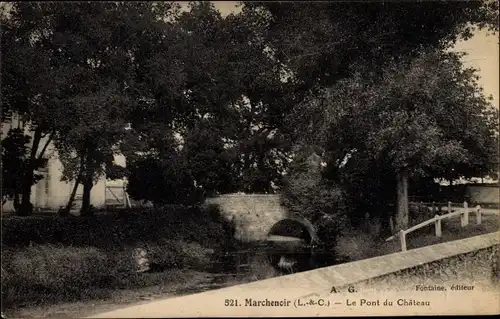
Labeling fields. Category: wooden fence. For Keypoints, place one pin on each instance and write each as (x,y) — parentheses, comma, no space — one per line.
(116,195)
(463,212)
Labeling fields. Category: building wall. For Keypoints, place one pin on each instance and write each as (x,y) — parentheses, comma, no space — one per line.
(489,194)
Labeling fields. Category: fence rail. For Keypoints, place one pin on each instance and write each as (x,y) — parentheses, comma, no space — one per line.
(463,212)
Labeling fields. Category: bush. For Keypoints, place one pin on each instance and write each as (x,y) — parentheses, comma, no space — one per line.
(419,213)
(319,201)
(55,267)
(48,272)
(120,228)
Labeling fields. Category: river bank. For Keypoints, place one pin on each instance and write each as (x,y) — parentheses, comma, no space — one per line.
(177,283)
(167,284)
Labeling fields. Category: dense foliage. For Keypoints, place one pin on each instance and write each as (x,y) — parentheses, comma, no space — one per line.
(378,128)
(118,229)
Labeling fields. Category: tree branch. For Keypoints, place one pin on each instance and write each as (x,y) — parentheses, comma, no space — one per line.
(46,145)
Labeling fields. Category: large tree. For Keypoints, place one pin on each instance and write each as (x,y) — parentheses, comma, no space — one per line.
(71,71)
(419,118)
(28,89)
(112,51)
(224,104)
(319,42)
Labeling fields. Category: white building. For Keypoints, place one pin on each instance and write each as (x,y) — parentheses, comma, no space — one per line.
(50,193)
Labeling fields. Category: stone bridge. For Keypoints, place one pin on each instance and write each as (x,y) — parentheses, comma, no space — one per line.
(258,215)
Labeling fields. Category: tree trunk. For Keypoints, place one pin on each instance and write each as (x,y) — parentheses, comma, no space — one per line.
(26,206)
(16,202)
(87,187)
(402,214)
(75,188)
(73,195)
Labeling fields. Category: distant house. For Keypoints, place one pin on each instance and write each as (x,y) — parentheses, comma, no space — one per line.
(50,193)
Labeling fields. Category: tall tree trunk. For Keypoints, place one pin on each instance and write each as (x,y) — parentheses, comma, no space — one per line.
(77,183)
(16,202)
(87,183)
(26,206)
(87,187)
(73,193)
(402,215)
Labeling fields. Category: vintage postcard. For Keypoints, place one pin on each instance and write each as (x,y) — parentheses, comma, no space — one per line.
(250,159)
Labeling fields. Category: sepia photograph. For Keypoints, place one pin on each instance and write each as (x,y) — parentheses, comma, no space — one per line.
(166,159)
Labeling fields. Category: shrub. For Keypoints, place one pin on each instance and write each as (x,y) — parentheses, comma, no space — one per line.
(48,273)
(117,229)
(320,201)
(419,213)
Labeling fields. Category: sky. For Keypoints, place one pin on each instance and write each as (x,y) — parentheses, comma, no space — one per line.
(482,53)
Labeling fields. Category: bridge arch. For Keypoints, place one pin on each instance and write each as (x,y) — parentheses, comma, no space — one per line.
(257,216)
(295,226)
(292,242)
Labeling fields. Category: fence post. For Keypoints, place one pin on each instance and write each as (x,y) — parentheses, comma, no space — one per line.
(449,207)
(433,207)
(437,224)
(465,216)
(402,238)
(478,215)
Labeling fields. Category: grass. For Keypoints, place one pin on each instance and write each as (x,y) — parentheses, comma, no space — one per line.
(357,245)
(151,286)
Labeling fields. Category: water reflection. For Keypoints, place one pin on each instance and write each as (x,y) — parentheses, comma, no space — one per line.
(262,260)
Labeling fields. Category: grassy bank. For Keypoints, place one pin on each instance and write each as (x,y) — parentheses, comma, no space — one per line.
(173,282)
(48,259)
(357,245)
